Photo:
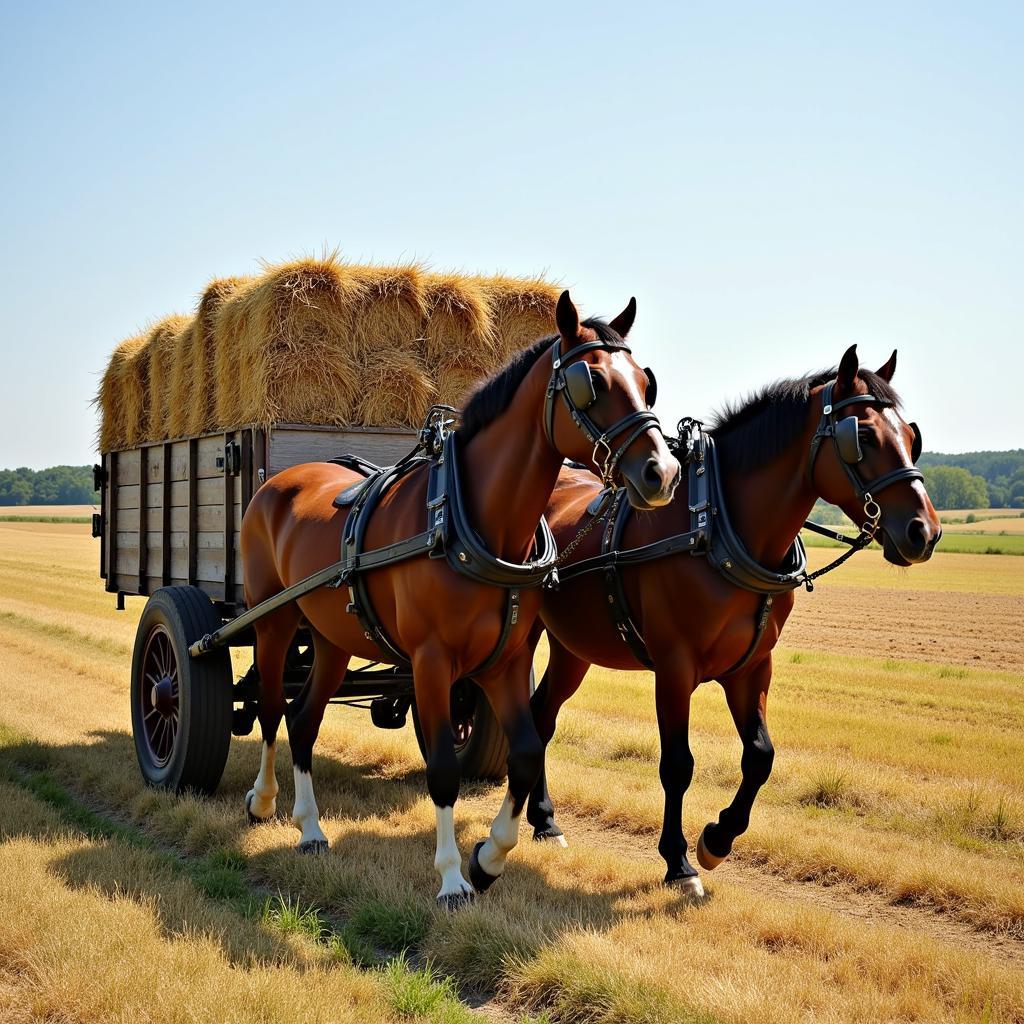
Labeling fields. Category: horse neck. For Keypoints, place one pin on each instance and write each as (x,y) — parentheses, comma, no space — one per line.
(509,470)
(769,505)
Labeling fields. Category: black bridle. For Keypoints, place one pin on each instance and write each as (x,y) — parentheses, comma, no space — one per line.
(845,434)
(575,383)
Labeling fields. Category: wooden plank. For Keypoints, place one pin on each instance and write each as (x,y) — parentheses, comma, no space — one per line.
(290,446)
(165,516)
(143,570)
(247,470)
(193,504)
(115,492)
(104,512)
(127,465)
(229,518)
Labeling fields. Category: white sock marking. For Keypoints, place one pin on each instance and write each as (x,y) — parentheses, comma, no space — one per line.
(264,790)
(448,860)
(306,816)
(502,840)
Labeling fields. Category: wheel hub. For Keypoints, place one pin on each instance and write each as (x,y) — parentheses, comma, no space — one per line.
(161,697)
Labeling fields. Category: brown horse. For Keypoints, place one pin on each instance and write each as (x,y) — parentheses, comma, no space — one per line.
(510,447)
(698,625)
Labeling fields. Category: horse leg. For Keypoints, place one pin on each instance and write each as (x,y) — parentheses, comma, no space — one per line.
(432,679)
(673,687)
(273,637)
(561,680)
(509,694)
(304,718)
(747,697)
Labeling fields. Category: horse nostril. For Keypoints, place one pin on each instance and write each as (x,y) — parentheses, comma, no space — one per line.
(652,475)
(918,534)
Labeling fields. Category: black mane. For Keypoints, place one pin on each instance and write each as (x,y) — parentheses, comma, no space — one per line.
(760,428)
(492,397)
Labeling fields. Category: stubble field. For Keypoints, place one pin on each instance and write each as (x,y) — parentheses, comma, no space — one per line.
(882,877)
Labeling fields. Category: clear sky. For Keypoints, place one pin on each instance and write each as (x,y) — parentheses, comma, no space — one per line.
(773,181)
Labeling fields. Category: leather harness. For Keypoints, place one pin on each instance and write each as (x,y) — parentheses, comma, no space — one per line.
(449,533)
(712,534)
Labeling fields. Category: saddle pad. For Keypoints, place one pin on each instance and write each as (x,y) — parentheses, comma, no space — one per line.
(350,494)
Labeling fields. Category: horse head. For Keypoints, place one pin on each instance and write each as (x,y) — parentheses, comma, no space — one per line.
(604,417)
(869,468)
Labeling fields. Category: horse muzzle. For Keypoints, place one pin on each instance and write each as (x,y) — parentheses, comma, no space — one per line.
(654,483)
(912,545)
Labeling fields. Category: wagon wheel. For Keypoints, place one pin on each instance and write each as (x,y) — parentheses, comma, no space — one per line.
(181,706)
(480,742)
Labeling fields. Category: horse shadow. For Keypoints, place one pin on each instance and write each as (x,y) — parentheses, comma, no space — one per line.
(381,853)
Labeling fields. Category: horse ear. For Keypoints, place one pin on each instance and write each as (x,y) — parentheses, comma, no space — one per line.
(567,318)
(848,367)
(624,321)
(886,371)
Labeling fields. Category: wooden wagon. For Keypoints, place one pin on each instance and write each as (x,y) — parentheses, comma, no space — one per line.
(172,502)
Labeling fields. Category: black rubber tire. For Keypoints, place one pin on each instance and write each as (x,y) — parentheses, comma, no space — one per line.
(199,749)
(484,755)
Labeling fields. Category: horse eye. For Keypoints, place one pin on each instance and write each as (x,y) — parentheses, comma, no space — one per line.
(866,436)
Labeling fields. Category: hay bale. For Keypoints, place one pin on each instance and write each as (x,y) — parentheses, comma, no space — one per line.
(118,416)
(161,348)
(284,348)
(455,386)
(193,385)
(323,342)
(390,311)
(396,390)
(457,333)
(522,310)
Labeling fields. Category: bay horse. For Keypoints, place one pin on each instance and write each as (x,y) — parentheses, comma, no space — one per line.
(689,618)
(514,434)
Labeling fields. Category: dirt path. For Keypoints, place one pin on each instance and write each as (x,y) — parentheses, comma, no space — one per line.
(837,898)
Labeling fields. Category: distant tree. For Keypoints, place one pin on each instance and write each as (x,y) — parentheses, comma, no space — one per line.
(15,489)
(58,485)
(954,487)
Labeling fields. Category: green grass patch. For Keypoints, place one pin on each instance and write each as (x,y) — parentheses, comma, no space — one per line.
(394,927)
(423,994)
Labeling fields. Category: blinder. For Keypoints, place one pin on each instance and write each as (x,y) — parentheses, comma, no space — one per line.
(915,448)
(848,440)
(579,383)
(652,387)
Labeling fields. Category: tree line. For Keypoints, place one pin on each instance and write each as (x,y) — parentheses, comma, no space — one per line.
(975,479)
(58,485)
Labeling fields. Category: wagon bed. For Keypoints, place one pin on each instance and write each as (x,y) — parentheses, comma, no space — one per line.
(169,524)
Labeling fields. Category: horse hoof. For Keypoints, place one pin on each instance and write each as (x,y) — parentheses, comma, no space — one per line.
(313,846)
(705,857)
(453,901)
(251,818)
(552,834)
(688,885)
(480,879)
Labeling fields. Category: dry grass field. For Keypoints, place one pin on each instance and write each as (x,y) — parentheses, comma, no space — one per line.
(48,511)
(882,877)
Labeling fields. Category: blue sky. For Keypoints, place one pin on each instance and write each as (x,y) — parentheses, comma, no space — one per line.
(772,181)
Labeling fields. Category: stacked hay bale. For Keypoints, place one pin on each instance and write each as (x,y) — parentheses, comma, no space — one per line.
(193,391)
(318,341)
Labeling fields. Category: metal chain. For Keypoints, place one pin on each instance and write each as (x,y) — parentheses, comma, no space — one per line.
(575,542)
